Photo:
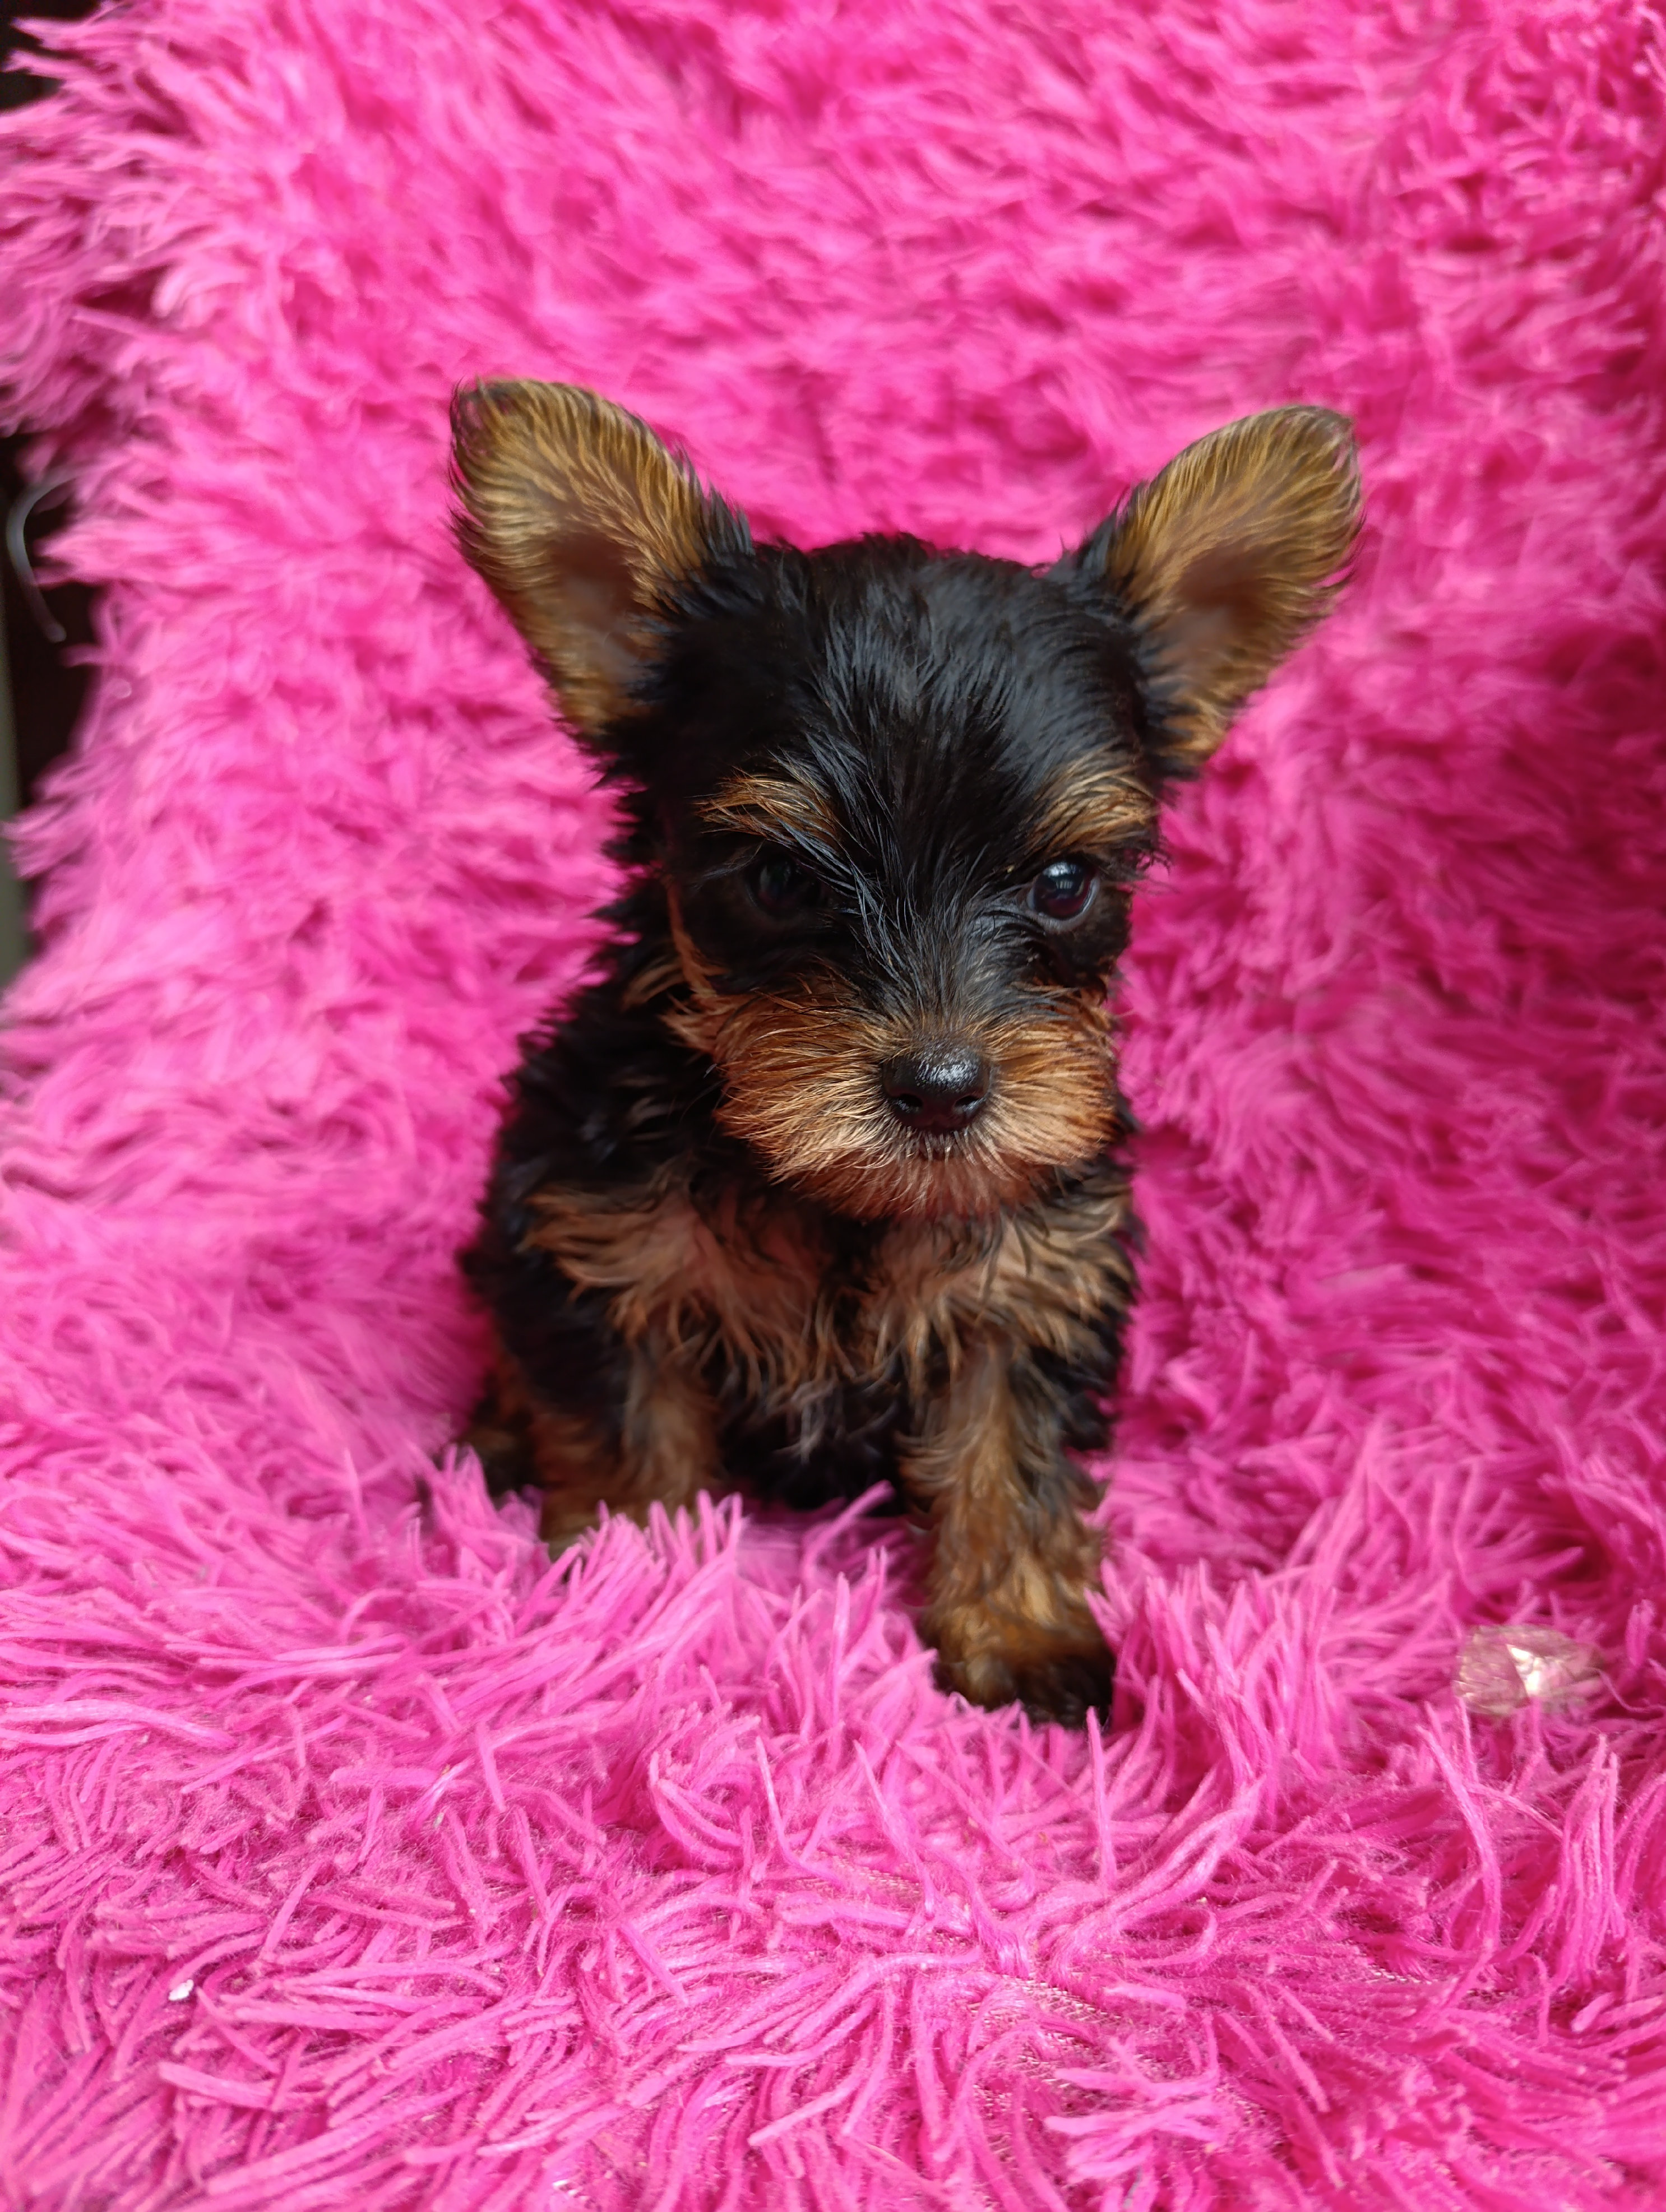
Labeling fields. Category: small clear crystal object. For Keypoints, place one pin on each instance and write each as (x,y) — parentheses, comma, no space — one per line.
(1505,1666)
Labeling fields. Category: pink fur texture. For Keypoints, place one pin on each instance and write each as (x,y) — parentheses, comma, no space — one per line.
(352,1854)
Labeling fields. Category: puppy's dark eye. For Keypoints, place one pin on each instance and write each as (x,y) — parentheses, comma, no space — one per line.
(1064,890)
(783,888)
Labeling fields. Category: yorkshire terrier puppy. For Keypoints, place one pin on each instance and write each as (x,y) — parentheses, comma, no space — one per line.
(817,1183)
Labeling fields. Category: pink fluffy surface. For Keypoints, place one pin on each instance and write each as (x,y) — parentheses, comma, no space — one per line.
(352,1852)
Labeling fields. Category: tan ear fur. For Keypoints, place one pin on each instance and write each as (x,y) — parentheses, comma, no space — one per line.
(584,525)
(1226,560)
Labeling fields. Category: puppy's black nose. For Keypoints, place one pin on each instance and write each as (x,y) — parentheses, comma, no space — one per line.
(940,1087)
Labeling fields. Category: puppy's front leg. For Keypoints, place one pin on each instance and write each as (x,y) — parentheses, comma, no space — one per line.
(1007,1610)
(639,1428)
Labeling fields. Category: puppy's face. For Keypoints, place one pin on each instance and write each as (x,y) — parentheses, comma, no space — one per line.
(899,797)
(902,804)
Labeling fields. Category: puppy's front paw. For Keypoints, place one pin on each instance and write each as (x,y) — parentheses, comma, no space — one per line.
(564,1517)
(1053,1676)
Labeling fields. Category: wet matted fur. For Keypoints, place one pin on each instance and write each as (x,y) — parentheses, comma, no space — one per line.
(818,1183)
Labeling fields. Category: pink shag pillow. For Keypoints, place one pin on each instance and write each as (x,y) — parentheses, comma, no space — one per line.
(355,1855)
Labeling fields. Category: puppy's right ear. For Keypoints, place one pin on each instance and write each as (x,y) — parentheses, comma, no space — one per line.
(585,528)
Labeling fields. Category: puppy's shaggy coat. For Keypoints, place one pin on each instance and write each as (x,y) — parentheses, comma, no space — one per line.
(818,1182)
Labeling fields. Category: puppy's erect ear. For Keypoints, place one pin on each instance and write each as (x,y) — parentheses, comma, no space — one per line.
(1224,562)
(585,527)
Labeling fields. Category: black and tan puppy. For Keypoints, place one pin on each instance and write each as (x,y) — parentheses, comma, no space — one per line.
(818,1183)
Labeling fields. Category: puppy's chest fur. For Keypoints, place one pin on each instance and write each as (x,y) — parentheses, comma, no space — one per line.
(818,1340)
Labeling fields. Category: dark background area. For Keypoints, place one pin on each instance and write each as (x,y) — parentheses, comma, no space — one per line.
(46,686)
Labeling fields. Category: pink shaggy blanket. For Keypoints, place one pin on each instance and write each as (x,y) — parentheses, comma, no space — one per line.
(351,1853)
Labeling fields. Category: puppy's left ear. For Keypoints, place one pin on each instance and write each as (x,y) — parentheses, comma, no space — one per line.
(1223,563)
